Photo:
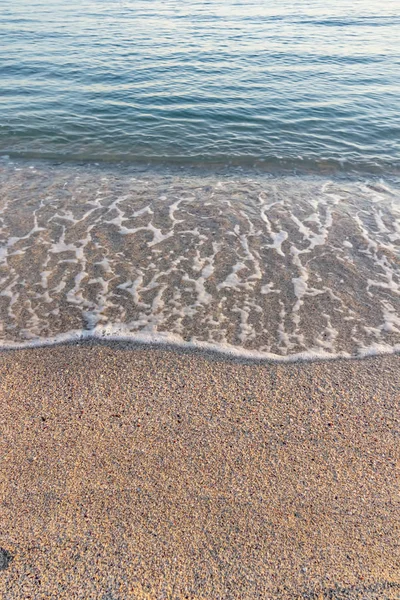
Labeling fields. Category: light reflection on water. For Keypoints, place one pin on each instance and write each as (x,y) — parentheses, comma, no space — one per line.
(310,83)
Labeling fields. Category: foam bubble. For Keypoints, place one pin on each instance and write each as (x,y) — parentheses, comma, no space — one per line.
(262,267)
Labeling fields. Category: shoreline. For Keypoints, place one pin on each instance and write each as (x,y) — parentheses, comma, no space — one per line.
(271,167)
(207,351)
(149,473)
(270,269)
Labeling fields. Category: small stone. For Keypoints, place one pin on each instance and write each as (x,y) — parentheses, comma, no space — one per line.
(5,559)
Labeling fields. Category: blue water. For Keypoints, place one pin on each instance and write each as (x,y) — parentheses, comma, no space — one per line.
(309,83)
(121,214)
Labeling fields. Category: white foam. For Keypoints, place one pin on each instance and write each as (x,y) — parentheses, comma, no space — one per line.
(233,280)
(276,277)
(117,334)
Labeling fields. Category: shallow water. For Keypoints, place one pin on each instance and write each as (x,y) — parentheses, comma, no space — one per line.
(266,266)
(253,206)
(305,84)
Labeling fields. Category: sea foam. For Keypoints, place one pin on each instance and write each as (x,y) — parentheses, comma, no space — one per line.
(280,267)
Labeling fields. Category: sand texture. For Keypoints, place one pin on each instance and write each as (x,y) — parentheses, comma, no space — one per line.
(153,474)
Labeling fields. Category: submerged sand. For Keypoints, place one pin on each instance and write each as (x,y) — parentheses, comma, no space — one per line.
(151,474)
(269,265)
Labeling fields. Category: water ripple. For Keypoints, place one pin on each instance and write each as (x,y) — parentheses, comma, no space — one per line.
(215,81)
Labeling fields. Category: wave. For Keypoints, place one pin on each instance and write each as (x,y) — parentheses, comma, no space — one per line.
(113,333)
(269,164)
(277,267)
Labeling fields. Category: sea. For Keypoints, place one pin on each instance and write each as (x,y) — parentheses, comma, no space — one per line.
(217,174)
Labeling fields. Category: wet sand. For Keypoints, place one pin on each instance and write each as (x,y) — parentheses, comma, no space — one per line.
(269,266)
(154,474)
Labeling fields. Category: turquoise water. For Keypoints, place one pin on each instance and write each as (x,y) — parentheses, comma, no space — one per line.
(311,84)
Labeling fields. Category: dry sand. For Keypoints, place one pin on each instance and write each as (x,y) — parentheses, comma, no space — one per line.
(153,474)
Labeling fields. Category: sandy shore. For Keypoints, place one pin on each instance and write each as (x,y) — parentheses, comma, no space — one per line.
(152,474)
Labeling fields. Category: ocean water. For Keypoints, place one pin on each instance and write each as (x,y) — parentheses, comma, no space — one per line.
(219,81)
(217,174)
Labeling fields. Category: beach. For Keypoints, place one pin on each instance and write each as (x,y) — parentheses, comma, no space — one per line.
(145,472)
(199,300)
